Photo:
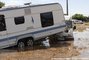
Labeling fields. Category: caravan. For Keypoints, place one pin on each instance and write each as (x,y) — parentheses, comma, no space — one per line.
(23,25)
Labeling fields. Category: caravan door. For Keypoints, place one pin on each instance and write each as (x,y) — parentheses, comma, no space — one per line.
(3,34)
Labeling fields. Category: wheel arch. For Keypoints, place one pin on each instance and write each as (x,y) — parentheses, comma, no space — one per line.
(24,39)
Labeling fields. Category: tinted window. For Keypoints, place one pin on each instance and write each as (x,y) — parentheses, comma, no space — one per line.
(19,20)
(47,19)
(2,23)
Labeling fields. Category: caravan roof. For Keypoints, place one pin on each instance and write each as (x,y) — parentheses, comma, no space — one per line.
(26,7)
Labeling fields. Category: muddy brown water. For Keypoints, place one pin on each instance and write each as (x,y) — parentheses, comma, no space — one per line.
(59,49)
(38,46)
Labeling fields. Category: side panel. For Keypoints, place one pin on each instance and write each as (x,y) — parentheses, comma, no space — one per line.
(59,25)
(58,17)
(49,31)
(37,22)
(17,31)
(3,40)
(13,28)
(3,32)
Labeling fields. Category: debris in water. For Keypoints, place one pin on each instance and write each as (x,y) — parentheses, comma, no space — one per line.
(46,43)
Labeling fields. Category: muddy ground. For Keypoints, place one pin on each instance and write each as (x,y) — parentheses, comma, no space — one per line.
(61,49)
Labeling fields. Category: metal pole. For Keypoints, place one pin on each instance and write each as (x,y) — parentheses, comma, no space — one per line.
(67,10)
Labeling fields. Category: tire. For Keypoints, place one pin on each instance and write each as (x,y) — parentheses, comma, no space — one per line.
(30,42)
(21,46)
(74,27)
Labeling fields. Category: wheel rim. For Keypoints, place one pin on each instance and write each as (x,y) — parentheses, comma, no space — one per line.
(29,43)
(21,46)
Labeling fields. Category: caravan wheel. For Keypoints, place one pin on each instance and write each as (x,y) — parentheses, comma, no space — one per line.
(30,42)
(21,46)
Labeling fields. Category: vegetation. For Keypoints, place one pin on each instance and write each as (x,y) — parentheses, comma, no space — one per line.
(79,17)
(1,4)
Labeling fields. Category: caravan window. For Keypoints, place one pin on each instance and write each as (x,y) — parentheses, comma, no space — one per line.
(47,19)
(2,23)
(19,20)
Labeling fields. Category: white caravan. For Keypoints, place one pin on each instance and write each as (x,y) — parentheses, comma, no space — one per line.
(23,25)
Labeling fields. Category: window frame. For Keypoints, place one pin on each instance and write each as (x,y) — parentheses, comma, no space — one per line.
(17,18)
(3,23)
(51,19)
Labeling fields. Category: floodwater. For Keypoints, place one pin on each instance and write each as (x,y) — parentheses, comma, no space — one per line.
(59,49)
(81,40)
(38,46)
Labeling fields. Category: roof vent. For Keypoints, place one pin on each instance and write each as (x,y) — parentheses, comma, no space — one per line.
(27,11)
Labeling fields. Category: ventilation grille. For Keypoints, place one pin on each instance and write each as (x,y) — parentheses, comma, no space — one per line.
(27,11)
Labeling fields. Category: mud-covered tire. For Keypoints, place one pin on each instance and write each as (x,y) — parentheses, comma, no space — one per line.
(30,42)
(21,46)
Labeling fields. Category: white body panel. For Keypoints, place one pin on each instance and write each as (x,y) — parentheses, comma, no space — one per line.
(32,26)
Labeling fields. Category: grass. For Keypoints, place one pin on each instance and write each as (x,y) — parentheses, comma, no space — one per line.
(81,27)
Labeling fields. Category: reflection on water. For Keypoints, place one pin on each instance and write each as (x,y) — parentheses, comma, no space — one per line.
(81,40)
(6,51)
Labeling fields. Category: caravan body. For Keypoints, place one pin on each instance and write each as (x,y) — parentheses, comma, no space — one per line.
(35,21)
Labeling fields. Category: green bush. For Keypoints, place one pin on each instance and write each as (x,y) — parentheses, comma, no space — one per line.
(79,17)
(1,4)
